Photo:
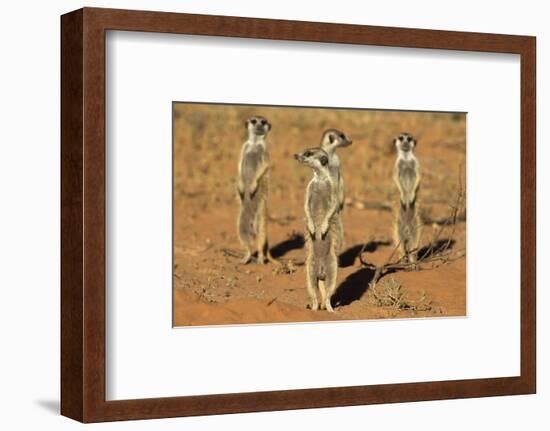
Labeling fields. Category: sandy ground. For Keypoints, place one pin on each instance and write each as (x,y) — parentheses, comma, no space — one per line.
(210,287)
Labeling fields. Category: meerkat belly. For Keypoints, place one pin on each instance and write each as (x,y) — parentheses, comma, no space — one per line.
(322,247)
(321,256)
(252,160)
(319,202)
(407,174)
(407,217)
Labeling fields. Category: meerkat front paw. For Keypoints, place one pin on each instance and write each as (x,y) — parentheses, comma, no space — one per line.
(240,189)
(311,229)
(324,229)
(253,189)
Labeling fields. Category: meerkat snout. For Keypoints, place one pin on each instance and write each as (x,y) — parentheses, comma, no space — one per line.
(315,158)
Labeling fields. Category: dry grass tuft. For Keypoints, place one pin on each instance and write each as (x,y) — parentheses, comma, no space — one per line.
(390,293)
(285,267)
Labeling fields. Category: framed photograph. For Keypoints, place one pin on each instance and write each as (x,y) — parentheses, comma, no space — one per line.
(268,215)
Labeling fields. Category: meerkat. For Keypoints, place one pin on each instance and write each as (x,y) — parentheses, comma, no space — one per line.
(321,217)
(406,176)
(252,187)
(330,141)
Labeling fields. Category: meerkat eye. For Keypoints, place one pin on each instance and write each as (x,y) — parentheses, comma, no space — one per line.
(263,122)
(331,138)
(253,121)
(307,153)
(342,136)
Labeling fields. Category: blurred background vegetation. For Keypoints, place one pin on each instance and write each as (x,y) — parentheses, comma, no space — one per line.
(208,138)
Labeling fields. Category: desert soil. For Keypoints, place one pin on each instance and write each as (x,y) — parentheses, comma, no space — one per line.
(211,287)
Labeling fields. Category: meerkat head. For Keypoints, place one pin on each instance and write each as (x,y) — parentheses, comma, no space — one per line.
(405,143)
(333,139)
(257,126)
(315,158)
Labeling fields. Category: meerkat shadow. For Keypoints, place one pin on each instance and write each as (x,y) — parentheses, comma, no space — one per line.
(348,257)
(294,242)
(353,287)
(434,249)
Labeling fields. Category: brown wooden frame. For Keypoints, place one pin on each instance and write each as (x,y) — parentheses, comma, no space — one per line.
(83,214)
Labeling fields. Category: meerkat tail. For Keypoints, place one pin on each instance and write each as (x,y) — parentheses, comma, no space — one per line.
(323,293)
(330,281)
(311,284)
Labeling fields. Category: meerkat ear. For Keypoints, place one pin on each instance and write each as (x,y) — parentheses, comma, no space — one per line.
(323,160)
(414,142)
(246,124)
(269,126)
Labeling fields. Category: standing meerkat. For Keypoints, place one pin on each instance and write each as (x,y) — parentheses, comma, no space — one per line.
(330,141)
(406,175)
(252,186)
(321,210)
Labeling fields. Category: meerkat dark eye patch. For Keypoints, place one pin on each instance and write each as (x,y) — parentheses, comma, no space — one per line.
(263,122)
(331,138)
(253,121)
(307,153)
(342,136)
(323,160)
